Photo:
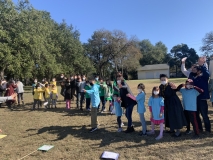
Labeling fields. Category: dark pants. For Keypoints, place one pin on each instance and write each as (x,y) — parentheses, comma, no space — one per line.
(187,116)
(20,97)
(129,114)
(202,108)
(78,96)
(82,99)
(119,121)
(88,101)
(193,120)
(36,102)
(103,103)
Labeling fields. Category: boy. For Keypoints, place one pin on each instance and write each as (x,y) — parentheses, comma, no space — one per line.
(95,99)
(189,94)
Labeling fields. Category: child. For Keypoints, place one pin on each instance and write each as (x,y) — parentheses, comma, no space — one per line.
(95,98)
(108,92)
(102,83)
(156,107)
(189,94)
(118,111)
(87,96)
(37,95)
(54,95)
(47,96)
(140,98)
(68,93)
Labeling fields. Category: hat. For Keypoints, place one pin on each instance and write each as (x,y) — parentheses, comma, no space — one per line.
(190,81)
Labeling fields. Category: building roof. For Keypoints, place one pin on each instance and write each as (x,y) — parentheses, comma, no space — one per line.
(153,67)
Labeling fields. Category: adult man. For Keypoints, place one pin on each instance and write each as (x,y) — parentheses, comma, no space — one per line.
(201,80)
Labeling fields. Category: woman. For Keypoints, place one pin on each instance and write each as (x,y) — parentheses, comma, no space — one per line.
(127,102)
(173,111)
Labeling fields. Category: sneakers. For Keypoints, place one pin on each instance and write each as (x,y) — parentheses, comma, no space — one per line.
(88,109)
(188,132)
(119,129)
(158,138)
(93,129)
(142,134)
(150,132)
(130,129)
(196,137)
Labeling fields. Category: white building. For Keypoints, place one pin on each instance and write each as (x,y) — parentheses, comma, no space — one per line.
(153,71)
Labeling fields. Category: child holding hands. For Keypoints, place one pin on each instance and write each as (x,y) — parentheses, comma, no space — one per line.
(156,107)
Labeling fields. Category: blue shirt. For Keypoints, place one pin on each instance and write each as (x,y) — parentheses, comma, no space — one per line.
(94,94)
(156,104)
(140,98)
(118,109)
(189,99)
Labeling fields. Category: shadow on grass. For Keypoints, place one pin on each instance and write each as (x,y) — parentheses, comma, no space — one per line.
(107,137)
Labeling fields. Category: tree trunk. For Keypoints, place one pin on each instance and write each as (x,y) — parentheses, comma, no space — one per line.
(176,67)
(2,73)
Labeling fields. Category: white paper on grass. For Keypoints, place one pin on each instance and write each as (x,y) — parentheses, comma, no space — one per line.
(46,103)
(45,148)
(110,155)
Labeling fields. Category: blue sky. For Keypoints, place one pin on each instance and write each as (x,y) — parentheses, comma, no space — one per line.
(170,21)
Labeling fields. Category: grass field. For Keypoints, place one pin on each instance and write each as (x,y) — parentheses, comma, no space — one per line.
(68,132)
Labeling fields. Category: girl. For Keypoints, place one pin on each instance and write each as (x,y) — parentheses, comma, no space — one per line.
(173,111)
(108,92)
(140,99)
(68,93)
(156,107)
(87,96)
(37,95)
(118,111)
(54,95)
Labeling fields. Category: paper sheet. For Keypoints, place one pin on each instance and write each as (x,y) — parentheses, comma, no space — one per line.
(110,155)
(2,136)
(45,148)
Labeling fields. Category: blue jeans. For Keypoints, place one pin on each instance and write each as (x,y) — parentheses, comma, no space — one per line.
(129,109)
(202,108)
(143,122)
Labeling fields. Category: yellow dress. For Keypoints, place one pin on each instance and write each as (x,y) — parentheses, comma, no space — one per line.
(54,93)
(38,93)
(47,93)
(54,83)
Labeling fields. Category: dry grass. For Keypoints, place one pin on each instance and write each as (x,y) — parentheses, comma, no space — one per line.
(68,132)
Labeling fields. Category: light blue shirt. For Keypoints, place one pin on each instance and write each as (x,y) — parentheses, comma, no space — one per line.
(118,109)
(156,104)
(94,94)
(189,99)
(140,98)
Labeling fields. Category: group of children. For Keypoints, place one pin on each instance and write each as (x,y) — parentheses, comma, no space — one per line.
(45,91)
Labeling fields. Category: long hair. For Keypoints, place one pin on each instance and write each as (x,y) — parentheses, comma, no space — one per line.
(142,86)
(154,89)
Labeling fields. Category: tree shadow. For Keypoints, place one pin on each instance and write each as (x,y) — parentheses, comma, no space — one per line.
(107,137)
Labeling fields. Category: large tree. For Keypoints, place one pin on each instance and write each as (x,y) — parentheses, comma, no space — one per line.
(207,47)
(152,54)
(180,51)
(111,49)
